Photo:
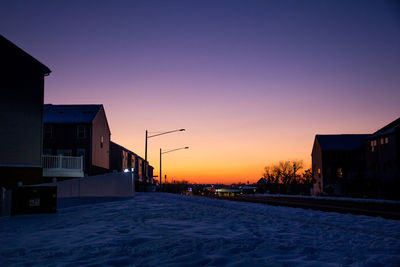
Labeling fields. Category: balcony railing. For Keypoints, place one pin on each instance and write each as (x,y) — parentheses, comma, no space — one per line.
(62,166)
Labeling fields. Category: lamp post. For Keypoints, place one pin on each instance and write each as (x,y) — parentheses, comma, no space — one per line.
(165,152)
(132,171)
(154,135)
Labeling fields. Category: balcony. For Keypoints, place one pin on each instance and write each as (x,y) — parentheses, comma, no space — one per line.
(62,166)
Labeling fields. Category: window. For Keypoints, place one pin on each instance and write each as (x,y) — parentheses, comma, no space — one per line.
(387,165)
(64,152)
(80,152)
(373,145)
(101,141)
(48,131)
(339,173)
(382,141)
(386,140)
(81,131)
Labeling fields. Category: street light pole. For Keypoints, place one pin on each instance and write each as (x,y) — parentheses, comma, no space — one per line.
(145,147)
(168,151)
(160,168)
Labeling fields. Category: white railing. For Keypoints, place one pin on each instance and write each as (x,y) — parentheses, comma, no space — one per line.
(62,166)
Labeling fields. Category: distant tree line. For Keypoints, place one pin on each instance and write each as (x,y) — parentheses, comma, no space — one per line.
(175,187)
(286,177)
(287,172)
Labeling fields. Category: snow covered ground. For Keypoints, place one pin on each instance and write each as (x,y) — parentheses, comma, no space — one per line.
(156,229)
(327,198)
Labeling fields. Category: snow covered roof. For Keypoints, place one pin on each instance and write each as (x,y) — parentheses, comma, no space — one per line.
(70,113)
(341,141)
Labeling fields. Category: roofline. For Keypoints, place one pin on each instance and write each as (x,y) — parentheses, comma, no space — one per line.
(338,134)
(50,104)
(45,70)
(101,106)
(127,149)
(388,126)
(105,116)
(366,136)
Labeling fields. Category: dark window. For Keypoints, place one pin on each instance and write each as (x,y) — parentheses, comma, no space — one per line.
(80,152)
(64,152)
(101,142)
(48,131)
(387,165)
(81,131)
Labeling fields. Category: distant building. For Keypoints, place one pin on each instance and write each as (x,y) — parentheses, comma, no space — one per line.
(382,153)
(262,181)
(262,185)
(142,167)
(21,113)
(119,158)
(78,130)
(150,172)
(338,163)
(122,158)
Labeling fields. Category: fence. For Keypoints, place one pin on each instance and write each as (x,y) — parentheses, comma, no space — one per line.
(94,189)
(62,166)
(62,162)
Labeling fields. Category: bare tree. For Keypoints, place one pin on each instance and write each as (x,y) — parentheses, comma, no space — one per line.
(307,177)
(285,172)
(269,175)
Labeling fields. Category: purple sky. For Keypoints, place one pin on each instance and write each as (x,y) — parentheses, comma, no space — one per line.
(252,81)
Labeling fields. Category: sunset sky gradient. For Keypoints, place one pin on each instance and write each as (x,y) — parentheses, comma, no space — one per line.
(251,81)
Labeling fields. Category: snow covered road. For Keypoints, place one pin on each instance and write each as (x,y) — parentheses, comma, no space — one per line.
(172,230)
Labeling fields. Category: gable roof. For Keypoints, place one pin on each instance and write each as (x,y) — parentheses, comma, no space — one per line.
(122,148)
(14,59)
(70,113)
(262,181)
(341,141)
(391,127)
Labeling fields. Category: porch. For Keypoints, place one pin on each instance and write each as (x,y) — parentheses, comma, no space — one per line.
(62,166)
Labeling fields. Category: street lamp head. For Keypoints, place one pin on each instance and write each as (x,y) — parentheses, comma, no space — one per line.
(186,147)
(182,130)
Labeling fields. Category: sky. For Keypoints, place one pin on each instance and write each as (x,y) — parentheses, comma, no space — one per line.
(252,82)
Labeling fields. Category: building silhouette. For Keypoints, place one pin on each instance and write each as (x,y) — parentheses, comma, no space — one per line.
(382,154)
(21,115)
(358,165)
(122,159)
(337,161)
